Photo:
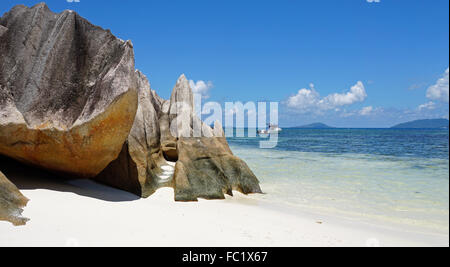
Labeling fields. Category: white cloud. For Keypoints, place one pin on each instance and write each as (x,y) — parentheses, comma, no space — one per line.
(366,111)
(305,99)
(201,87)
(439,91)
(428,105)
(309,99)
(357,94)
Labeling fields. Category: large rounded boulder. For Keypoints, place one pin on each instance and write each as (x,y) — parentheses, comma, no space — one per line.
(68,93)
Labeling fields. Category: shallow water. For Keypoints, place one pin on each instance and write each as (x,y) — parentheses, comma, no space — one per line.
(398,176)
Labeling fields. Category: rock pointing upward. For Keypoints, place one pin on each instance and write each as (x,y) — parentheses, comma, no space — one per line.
(68,93)
(71,102)
(205,166)
(181,108)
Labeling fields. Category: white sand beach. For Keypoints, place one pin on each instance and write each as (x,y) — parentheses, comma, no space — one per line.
(359,156)
(84,213)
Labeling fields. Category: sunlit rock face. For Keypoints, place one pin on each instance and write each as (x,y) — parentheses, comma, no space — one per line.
(71,102)
(181,108)
(11,202)
(137,165)
(218,130)
(68,93)
(184,122)
(206,168)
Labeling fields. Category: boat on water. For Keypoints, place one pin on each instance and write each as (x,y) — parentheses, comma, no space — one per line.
(273,128)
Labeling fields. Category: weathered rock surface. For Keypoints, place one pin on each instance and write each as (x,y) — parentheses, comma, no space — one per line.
(2,30)
(181,108)
(218,129)
(11,202)
(178,119)
(71,102)
(184,122)
(137,165)
(168,141)
(157,102)
(68,93)
(206,168)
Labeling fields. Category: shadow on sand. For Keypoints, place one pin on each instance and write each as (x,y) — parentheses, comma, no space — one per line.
(28,178)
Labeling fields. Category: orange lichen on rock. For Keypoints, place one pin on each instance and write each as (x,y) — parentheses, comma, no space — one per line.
(84,150)
(68,93)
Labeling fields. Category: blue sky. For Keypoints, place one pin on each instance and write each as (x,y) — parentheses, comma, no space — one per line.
(306,54)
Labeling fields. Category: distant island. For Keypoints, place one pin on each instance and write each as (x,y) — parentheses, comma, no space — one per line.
(316,125)
(429,124)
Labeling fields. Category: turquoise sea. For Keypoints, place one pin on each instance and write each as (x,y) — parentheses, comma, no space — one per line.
(391,175)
